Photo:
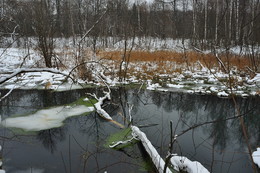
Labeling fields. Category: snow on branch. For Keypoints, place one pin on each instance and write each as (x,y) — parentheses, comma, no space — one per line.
(7,94)
(156,158)
(182,163)
(100,102)
(28,70)
(121,142)
(256,157)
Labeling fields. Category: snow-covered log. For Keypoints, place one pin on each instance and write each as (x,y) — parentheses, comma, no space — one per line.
(156,158)
(181,163)
(256,157)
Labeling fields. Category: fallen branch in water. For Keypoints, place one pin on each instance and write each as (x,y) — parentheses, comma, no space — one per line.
(98,105)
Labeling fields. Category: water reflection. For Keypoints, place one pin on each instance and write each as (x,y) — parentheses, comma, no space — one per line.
(78,145)
(49,138)
(219,145)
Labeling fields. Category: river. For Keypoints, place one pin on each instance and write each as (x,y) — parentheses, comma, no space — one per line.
(78,146)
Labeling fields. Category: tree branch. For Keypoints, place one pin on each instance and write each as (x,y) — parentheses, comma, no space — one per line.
(93,26)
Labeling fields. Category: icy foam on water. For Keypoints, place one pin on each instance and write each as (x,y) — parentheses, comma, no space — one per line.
(45,119)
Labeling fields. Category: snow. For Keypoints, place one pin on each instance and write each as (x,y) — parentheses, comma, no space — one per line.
(213,89)
(46,118)
(121,142)
(85,99)
(212,79)
(152,86)
(256,156)
(98,105)
(256,79)
(175,86)
(223,94)
(182,163)
(156,158)
(190,91)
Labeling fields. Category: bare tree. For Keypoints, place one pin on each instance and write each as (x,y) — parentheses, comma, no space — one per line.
(205,20)
(44,26)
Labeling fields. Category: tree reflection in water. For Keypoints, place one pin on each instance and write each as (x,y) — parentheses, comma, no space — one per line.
(51,137)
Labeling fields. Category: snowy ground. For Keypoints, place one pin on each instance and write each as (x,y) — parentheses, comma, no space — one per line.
(198,80)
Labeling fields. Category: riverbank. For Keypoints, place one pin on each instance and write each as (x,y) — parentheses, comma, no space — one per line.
(158,70)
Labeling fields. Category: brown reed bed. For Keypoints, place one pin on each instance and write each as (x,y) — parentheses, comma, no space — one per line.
(188,58)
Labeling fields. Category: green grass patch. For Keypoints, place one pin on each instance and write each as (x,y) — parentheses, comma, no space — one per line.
(134,86)
(190,84)
(81,101)
(122,135)
(187,88)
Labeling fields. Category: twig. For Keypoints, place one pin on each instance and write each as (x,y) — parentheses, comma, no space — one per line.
(169,155)
(7,94)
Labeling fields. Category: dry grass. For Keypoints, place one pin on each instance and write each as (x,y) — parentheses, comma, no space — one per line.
(189,58)
(164,62)
(147,64)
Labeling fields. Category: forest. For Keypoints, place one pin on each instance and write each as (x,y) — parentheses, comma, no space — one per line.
(106,85)
(204,22)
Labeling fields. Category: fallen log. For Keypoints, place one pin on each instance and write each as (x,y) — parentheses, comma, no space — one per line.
(154,155)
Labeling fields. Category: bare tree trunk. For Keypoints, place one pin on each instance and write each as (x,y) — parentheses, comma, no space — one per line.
(71,24)
(237,21)
(216,25)
(205,20)
(138,17)
(194,21)
(230,19)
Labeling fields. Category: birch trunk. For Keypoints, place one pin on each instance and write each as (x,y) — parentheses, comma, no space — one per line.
(216,26)
(237,21)
(194,20)
(230,19)
(205,20)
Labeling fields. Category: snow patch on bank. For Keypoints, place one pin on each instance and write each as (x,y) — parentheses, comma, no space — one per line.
(200,80)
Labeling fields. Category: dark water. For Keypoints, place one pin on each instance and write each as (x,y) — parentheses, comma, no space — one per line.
(78,146)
